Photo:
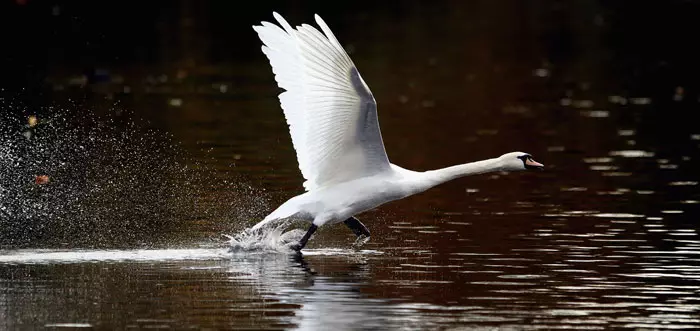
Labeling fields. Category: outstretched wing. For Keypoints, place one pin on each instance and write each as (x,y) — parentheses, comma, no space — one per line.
(331,112)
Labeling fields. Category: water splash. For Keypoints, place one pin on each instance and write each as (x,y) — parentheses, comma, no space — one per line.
(109,182)
(268,239)
(273,239)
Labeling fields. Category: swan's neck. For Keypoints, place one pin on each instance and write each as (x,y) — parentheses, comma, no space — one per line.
(439,176)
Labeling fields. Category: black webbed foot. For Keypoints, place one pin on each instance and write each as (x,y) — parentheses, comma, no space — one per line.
(302,242)
(296,247)
(357,227)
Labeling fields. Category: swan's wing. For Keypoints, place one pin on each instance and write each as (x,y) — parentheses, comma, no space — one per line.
(331,112)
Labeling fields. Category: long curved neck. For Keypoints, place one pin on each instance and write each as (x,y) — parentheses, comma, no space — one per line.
(439,176)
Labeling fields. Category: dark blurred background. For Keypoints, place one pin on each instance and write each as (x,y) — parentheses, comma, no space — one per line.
(642,44)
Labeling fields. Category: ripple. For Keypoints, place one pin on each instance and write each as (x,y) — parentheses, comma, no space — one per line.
(459,223)
(431,266)
(474,254)
(401,227)
(672,212)
(571,213)
(683,183)
(617,215)
(629,297)
(596,113)
(656,326)
(598,160)
(68,325)
(651,275)
(556,149)
(575,271)
(523,276)
(480,271)
(340,252)
(433,281)
(616,174)
(616,99)
(413,272)
(640,101)
(618,191)
(582,103)
(632,153)
(497,283)
(603,167)
(625,133)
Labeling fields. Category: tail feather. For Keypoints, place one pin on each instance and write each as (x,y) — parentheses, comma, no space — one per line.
(264,222)
(291,208)
(279,214)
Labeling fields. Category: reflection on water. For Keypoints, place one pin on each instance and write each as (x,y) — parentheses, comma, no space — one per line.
(606,238)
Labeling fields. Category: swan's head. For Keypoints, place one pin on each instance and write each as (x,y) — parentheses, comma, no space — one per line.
(519,161)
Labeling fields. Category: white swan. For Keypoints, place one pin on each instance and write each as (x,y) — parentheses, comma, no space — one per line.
(332,119)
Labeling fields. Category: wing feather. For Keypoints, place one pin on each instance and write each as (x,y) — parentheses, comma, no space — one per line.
(331,112)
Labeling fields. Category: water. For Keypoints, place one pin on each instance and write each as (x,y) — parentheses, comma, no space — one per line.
(605,238)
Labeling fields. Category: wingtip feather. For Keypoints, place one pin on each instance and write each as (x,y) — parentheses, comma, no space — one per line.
(319,20)
(285,25)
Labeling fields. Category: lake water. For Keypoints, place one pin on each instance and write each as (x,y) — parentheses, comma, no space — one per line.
(129,233)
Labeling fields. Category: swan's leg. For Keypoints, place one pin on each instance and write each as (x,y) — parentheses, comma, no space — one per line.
(302,242)
(356,226)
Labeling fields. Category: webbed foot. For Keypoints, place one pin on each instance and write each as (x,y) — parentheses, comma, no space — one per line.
(296,247)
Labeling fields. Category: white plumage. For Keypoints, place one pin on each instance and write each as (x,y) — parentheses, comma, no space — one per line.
(333,123)
(331,113)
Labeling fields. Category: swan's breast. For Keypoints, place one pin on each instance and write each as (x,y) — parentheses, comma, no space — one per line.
(343,200)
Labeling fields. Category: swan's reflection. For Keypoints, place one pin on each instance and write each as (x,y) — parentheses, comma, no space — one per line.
(326,289)
(299,259)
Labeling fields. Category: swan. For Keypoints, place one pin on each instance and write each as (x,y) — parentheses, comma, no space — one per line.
(332,118)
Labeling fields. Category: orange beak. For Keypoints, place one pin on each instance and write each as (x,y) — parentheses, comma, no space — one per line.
(534,164)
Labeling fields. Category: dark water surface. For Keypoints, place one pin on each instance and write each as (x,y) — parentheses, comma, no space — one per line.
(606,237)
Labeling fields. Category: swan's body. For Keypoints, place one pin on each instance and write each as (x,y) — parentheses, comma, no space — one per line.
(333,122)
